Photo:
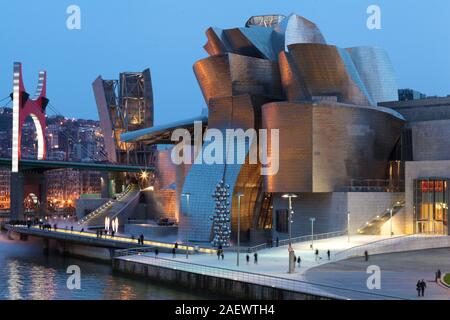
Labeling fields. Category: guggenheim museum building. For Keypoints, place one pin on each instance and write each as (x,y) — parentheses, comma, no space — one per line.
(353,155)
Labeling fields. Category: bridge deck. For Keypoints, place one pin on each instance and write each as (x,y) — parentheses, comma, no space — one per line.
(49,165)
(90,238)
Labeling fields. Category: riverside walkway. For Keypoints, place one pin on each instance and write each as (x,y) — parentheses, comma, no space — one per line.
(271,267)
(119,241)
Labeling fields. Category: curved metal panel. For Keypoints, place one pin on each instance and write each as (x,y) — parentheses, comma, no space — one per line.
(327,72)
(297,29)
(232,74)
(324,145)
(376,71)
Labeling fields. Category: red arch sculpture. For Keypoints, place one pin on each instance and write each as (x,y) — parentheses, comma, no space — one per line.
(24,106)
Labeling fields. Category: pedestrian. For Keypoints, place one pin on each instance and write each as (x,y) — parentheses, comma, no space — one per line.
(176,245)
(366,255)
(255,256)
(328,254)
(299,261)
(218,254)
(222,255)
(247,257)
(82,230)
(112,233)
(438,275)
(423,287)
(71,228)
(317,254)
(278,242)
(156,252)
(418,285)
(295,260)
(174,251)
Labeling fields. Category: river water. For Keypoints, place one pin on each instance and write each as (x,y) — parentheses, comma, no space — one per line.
(26,273)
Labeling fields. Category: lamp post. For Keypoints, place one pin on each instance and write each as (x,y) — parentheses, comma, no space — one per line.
(239,195)
(312,231)
(187,195)
(348,225)
(291,252)
(390,219)
(290,196)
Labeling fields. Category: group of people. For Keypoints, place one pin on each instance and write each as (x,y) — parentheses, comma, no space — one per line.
(420,287)
(318,257)
(101,233)
(141,239)
(255,258)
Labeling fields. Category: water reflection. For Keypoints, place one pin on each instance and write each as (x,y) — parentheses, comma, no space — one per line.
(25,273)
(14,282)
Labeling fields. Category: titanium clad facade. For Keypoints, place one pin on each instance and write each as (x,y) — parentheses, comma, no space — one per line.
(232,74)
(224,113)
(376,71)
(324,145)
(328,71)
(297,29)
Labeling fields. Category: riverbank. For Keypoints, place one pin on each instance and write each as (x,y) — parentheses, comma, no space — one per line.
(26,273)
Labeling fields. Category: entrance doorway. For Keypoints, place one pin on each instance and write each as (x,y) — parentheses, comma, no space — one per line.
(431,197)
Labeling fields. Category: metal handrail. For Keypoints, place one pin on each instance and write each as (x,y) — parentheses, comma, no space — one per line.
(319,236)
(353,252)
(257,278)
(107,205)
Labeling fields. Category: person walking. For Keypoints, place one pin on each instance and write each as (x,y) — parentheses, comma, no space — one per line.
(255,258)
(174,251)
(366,255)
(328,254)
(71,228)
(247,257)
(278,242)
(299,261)
(156,253)
(218,254)
(317,254)
(423,286)
(438,275)
(222,255)
(418,285)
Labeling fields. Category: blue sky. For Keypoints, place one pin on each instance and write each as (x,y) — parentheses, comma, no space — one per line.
(168,35)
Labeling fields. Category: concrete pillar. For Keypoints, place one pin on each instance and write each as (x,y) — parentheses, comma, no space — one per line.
(42,196)
(16,194)
(105,185)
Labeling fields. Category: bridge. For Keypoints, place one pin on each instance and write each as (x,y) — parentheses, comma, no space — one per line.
(43,165)
(27,175)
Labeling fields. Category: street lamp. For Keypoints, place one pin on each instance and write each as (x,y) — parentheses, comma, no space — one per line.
(312,231)
(239,195)
(390,219)
(187,195)
(348,225)
(291,253)
(290,196)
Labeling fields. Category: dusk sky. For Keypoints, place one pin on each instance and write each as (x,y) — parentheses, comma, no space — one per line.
(168,37)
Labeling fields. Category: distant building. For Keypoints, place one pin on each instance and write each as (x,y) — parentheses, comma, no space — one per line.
(409,94)
(125,105)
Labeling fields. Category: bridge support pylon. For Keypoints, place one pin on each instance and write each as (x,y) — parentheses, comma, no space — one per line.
(17,196)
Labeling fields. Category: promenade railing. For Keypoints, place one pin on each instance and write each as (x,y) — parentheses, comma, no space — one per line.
(300,286)
(284,242)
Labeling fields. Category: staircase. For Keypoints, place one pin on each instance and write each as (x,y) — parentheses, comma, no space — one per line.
(373,226)
(96,219)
